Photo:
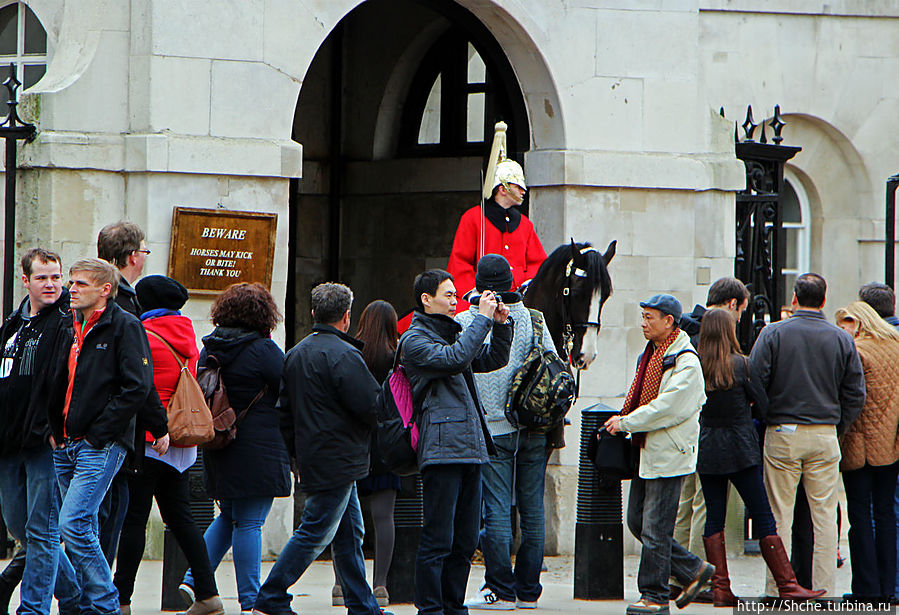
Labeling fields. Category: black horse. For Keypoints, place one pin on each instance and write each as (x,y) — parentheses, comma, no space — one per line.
(570,289)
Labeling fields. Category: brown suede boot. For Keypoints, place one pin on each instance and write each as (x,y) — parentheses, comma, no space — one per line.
(716,555)
(778,562)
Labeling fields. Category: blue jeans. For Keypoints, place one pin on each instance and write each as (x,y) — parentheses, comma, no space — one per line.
(451,498)
(332,515)
(748,483)
(238,527)
(29,498)
(516,473)
(651,512)
(872,529)
(84,474)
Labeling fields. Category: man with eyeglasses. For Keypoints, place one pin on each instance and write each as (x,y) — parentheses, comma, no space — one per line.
(123,244)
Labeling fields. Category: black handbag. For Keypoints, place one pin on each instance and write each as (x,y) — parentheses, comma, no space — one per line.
(614,456)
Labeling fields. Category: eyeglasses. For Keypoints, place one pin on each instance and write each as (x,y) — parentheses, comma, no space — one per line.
(144,251)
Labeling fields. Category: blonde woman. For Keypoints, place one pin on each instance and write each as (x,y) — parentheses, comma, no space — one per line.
(870,450)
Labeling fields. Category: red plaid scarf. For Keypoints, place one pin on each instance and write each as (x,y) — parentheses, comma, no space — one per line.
(647,380)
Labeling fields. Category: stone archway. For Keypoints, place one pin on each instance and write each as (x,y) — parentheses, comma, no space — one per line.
(371,210)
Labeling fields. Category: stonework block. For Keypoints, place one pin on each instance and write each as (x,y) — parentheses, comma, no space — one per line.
(657,44)
(96,100)
(238,112)
(179,95)
(215,29)
(618,101)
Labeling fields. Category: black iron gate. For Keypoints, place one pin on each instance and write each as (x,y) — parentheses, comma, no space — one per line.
(12,129)
(760,242)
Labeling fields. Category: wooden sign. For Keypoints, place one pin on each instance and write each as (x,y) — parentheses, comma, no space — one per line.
(211,249)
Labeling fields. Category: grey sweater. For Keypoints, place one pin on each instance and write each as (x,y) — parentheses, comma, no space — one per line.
(811,372)
(493,387)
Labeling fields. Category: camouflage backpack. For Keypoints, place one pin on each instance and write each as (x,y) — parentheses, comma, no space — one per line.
(543,389)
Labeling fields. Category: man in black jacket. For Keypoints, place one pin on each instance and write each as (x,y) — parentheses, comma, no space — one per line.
(34,343)
(327,415)
(454,441)
(108,378)
(124,245)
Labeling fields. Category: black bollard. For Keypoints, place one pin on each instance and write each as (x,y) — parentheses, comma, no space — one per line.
(598,534)
(408,519)
(174,564)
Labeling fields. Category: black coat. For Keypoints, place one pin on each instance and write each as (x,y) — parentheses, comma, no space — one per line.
(728,440)
(255,464)
(126,298)
(328,409)
(24,417)
(690,323)
(113,378)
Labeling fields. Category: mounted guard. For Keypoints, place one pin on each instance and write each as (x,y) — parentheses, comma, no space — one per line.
(496,226)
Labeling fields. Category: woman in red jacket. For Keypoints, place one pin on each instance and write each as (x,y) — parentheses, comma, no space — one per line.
(507,232)
(163,474)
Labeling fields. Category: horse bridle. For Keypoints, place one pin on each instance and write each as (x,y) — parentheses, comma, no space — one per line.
(568,323)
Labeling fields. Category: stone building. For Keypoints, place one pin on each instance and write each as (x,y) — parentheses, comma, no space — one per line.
(363,126)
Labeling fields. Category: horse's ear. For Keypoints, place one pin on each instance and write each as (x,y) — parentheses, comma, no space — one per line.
(574,251)
(610,252)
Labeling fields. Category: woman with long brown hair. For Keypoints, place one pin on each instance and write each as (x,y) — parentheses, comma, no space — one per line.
(870,449)
(377,330)
(729,452)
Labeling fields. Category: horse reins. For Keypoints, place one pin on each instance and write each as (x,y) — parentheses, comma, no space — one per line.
(568,323)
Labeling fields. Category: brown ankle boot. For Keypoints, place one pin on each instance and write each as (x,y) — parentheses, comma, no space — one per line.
(775,555)
(716,555)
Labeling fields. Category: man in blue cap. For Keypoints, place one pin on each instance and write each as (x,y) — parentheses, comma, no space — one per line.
(661,411)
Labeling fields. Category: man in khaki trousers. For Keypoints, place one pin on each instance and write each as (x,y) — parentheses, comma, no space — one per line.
(816,388)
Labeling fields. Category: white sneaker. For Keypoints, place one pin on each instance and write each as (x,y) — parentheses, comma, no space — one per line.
(524,604)
(488,601)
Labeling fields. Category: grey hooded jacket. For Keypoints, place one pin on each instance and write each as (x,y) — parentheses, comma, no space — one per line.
(439,363)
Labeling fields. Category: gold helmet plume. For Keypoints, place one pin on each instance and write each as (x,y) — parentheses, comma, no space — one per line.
(501,170)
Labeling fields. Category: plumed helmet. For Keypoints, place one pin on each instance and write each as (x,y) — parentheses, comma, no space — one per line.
(509,172)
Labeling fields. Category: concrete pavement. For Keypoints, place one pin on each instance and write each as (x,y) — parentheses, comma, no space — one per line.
(313,591)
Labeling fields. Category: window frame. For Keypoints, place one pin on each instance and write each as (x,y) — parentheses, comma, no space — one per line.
(20,59)
(448,58)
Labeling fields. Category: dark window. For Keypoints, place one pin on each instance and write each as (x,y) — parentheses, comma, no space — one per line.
(454,100)
(23,43)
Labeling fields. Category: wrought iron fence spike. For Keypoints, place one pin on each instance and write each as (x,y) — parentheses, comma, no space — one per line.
(777,124)
(749,125)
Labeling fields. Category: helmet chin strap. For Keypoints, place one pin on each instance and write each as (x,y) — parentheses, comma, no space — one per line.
(512,195)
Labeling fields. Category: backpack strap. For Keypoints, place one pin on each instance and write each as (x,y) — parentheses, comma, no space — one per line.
(537,324)
(182,363)
(252,403)
(671,360)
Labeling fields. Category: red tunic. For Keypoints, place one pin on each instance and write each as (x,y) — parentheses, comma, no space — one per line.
(521,247)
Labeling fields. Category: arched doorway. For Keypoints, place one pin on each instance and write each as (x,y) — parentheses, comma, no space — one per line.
(395,117)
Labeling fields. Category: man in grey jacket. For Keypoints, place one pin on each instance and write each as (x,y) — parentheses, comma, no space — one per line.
(454,442)
(816,388)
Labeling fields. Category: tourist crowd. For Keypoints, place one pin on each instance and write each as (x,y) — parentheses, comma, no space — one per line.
(89,367)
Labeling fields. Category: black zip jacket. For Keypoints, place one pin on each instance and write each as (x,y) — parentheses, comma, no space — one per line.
(327,408)
(126,298)
(24,419)
(113,379)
